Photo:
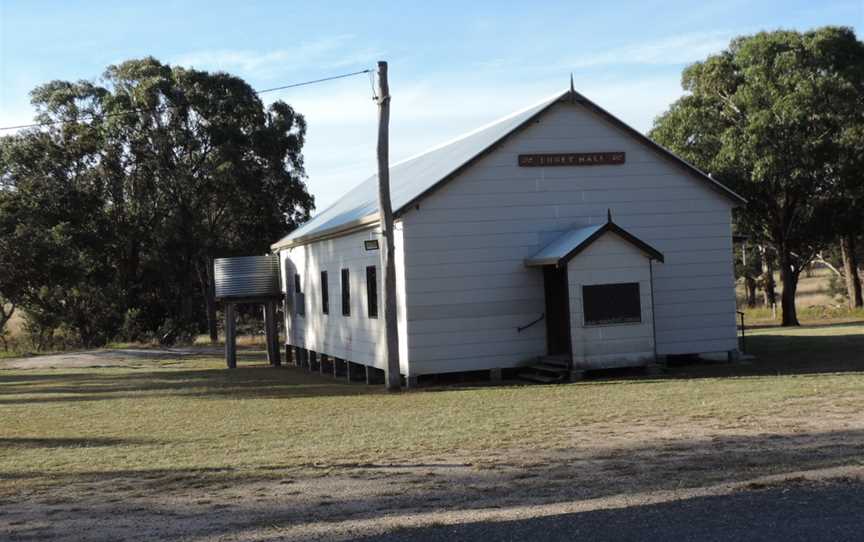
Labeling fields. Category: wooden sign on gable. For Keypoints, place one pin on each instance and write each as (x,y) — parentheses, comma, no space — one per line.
(572,159)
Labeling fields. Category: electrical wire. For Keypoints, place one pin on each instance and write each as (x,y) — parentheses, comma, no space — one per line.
(322,80)
(165,108)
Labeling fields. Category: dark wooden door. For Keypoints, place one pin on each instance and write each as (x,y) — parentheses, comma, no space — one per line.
(557,309)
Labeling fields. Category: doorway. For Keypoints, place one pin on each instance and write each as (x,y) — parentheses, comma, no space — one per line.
(557,309)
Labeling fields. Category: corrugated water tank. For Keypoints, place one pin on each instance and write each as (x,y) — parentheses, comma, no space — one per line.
(247,276)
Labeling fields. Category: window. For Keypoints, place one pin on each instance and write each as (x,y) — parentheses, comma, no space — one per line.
(299,299)
(325,294)
(346,294)
(611,304)
(372,291)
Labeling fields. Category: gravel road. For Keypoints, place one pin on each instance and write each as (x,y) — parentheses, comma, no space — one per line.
(833,511)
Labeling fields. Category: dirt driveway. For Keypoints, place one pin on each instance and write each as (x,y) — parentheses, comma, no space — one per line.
(119,357)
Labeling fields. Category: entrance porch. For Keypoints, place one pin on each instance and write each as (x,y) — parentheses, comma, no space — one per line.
(598,288)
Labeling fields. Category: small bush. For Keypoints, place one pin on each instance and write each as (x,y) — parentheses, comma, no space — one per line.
(837,288)
(176,332)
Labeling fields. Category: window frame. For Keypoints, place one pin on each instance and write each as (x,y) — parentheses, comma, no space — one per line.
(372,291)
(615,321)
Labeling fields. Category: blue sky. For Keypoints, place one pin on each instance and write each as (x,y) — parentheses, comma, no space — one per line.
(454,65)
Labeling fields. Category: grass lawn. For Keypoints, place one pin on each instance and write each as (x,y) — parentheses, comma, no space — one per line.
(193,416)
(184,449)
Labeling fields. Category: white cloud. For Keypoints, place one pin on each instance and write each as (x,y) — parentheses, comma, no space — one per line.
(681,49)
(330,52)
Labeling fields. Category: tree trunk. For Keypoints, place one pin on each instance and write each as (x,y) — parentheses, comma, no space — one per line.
(208,290)
(750,287)
(768,284)
(850,271)
(211,303)
(789,278)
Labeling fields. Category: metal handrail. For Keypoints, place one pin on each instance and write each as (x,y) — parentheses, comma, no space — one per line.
(520,329)
(743,333)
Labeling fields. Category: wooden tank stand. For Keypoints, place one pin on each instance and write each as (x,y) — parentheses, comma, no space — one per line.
(271,328)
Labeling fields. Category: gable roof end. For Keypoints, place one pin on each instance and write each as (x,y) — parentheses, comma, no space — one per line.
(569,245)
(724,190)
(414,178)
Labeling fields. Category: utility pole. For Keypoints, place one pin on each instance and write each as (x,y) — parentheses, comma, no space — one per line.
(388,265)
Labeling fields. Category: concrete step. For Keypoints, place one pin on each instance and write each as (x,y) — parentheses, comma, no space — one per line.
(547,370)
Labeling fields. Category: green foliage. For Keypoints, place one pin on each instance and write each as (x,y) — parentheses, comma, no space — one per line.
(109,219)
(778,117)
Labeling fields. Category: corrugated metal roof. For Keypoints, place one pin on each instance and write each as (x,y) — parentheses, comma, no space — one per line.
(247,276)
(558,249)
(414,177)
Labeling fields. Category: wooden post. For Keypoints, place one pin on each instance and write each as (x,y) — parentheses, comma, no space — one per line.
(272,334)
(230,336)
(267,343)
(388,266)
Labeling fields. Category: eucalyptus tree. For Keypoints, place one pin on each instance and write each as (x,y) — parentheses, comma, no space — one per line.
(769,116)
(136,182)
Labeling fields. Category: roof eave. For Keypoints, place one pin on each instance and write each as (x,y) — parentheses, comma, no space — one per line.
(366,222)
(540,262)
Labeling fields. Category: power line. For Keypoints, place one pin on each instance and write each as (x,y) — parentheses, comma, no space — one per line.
(304,83)
(149,110)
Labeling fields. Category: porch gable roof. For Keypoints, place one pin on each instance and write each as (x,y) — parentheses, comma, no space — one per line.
(568,245)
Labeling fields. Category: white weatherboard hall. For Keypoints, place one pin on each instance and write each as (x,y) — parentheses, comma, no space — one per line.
(556,237)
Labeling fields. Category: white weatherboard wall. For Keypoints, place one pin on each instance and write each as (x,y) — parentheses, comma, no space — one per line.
(357,338)
(610,260)
(464,247)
